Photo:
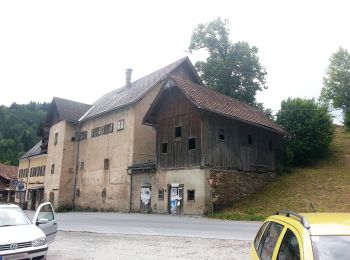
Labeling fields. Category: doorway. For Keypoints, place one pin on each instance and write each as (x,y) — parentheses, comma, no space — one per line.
(145,206)
(33,200)
(175,198)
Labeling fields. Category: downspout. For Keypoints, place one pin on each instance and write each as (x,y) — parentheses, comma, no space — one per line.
(130,195)
(27,190)
(76,167)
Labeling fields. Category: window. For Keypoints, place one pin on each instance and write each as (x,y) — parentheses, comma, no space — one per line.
(270,145)
(120,125)
(289,248)
(77,193)
(161,194)
(190,195)
(82,166)
(258,235)
(20,174)
(82,135)
(104,193)
(46,212)
(164,147)
(268,240)
(56,139)
(250,139)
(221,134)
(96,132)
(106,164)
(43,168)
(107,129)
(53,168)
(31,172)
(192,143)
(26,172)
(178,131)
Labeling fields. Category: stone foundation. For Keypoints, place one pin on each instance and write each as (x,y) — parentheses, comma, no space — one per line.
(230,186)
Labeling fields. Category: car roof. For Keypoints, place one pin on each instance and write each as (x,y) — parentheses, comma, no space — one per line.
(7,205)
(317,224)
(328,223)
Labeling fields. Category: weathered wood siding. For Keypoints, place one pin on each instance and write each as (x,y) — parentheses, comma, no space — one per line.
(235,152)
(175,110)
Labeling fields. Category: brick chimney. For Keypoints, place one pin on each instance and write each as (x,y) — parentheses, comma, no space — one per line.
(128,77)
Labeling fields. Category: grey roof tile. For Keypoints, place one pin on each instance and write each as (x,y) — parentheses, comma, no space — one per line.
(35,150)
(70,110)
(127,95)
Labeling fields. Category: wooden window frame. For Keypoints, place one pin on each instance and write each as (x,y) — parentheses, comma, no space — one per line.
(121,125)
(221,134)
(178,131)
(55,139)
(189,143)
(192,197)
(106,164)
(164,144)
(250,140)
(160,194)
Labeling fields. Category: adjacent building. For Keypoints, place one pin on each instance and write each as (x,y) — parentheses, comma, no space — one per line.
(198,132)
(8,177)
(31,176)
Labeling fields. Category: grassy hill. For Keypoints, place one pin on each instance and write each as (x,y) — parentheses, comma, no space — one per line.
(324,186)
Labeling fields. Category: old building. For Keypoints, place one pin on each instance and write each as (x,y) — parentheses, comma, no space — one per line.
(91,148)
(8,178)
(60,142)
(31,175)
(198,132)
(150,146)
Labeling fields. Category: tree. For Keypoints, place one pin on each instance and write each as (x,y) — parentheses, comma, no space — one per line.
(336,83)
(18,129)
(232,69)
(310,127)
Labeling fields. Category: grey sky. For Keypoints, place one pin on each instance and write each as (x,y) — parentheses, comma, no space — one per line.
(79,49)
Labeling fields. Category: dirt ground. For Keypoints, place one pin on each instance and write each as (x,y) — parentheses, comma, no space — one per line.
(84,245)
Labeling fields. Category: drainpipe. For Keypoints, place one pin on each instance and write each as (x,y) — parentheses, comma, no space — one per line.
(27,184)
(130,195)
(76,167)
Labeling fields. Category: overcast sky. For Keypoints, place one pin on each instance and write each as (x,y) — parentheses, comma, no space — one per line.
(79,50)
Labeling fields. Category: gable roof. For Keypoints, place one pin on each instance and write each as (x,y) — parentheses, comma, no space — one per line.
(215,102)
(8,172)
(67,109)
(128,95)
(70,110)
(35,150)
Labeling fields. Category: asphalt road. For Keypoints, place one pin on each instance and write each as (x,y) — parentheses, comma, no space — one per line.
(155,225)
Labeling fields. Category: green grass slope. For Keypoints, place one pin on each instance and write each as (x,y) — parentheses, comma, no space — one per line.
(324,186)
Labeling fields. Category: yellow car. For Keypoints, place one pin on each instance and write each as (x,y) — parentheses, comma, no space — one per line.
(288,235)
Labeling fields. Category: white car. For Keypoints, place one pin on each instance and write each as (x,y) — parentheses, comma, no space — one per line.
(22,239)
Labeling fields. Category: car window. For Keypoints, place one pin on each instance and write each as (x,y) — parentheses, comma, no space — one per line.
(46,212)
(13,216)
(268,241)
(289,249)
(331,247)
(258,235)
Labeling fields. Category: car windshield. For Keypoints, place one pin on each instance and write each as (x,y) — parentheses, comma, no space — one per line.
(331,247)
(13,216)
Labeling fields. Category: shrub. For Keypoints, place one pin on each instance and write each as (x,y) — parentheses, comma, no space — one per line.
(310,129)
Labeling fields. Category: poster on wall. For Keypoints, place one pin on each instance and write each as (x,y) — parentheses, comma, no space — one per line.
(145,195)
(175,199)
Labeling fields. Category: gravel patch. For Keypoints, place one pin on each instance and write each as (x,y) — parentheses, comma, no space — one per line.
(85,245)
